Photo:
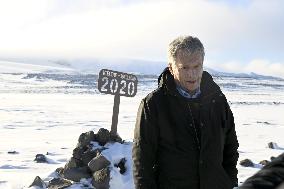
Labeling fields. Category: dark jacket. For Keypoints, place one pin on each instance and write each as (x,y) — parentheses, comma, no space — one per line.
(166,151)
(271,176)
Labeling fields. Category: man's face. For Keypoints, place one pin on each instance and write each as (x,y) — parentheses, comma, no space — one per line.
(187,70)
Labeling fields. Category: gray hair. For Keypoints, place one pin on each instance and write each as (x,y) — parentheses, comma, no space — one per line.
(187,43)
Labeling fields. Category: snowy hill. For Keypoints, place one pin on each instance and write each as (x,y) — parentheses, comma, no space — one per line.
(93,66)
(240,75)
(19,67)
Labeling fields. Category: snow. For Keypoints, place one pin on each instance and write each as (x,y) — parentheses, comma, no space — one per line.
(48,115)
(114,154)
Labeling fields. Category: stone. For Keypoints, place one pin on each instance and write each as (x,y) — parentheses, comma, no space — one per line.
(103,136)
(247,163)
(121,166)
(77,173)
(59,183)
(101,179)
(116,138)
(98,163)
(40,158)
(88,155)
(264,162)
(38,182)
(272,145)
(86,138)
(78,151)
(13,152)
(59,170)
(71,164)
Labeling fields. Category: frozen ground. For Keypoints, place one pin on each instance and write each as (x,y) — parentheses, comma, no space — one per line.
(46,113)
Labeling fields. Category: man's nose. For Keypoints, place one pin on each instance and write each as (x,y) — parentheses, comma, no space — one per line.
(192,74)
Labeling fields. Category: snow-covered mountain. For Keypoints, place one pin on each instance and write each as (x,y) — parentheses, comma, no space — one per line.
(93,66)
(22,67)
(240,75)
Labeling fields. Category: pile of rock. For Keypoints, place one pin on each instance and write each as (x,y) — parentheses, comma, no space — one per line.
(86,162)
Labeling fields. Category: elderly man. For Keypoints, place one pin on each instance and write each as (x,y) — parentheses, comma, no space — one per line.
(185,135)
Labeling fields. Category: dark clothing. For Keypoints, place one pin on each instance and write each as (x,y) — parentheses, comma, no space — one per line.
(182,143)
(270,176)
(194,106)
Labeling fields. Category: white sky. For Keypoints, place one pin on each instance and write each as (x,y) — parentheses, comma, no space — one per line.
(238,37)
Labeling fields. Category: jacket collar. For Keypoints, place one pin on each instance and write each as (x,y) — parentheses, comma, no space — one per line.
(208,87)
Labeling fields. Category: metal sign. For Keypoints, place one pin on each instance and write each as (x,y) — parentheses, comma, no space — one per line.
(117,84)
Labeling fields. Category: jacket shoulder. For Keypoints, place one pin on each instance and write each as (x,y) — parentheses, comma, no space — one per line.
(154,96)
(220,96)
(154,101)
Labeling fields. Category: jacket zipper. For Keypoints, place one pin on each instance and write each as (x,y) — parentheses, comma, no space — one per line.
(194,126)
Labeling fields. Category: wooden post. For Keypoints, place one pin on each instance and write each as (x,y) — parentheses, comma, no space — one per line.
(115,113)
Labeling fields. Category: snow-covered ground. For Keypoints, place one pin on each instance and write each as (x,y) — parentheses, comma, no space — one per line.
(43,113)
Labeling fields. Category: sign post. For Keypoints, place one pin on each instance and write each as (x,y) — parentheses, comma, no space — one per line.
(115,113)
(117,84)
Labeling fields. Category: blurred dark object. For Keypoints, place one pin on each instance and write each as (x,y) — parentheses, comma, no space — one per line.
(271,176)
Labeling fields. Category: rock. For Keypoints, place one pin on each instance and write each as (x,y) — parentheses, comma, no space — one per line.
(59,183)
(101,179)
(13,152)
(264,162)
(88,155)
(40,158)
(71,164)
(116,138)
(77,155)
(78,151)
(246,163)
(272,145)
(98,163)
(121,166)
(59,170)
(86,138)
(103,136)
(77,173)
(38,182)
